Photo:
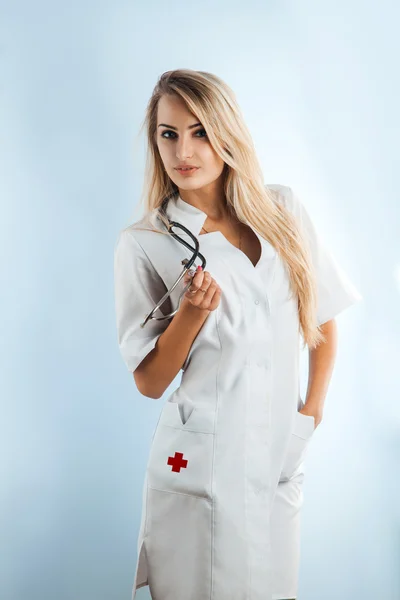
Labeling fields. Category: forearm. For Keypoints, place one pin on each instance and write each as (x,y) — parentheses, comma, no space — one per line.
(321,363)
(163,363)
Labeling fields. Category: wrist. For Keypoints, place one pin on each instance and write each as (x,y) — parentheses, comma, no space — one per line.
(194,311)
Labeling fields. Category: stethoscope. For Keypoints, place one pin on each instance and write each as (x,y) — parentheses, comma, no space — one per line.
(186,262)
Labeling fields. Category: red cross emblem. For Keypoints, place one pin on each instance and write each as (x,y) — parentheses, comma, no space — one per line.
(177,462)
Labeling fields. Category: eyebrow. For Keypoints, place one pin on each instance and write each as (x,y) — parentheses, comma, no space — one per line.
(176,129)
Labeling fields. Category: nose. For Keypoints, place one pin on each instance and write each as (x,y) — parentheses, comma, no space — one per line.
(184,148)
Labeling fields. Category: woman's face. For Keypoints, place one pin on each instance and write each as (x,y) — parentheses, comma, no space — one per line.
(182,139)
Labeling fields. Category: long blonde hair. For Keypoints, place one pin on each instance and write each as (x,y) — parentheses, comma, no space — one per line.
(213,102)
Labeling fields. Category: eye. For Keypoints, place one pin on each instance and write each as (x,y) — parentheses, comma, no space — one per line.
(173,133)
(202,130)
(167,131)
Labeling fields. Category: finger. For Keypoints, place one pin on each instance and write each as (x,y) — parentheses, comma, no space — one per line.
(208,296)
(197,282)
(193,289)
(189,274)
(215,299)
(207,280)
(189,283)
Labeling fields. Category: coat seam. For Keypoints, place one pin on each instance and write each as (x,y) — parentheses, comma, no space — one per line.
(213,458)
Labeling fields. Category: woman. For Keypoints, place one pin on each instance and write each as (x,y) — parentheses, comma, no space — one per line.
(223,488)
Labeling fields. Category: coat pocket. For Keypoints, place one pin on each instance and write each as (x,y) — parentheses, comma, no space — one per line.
(181,454)
(179,546)
(303,430)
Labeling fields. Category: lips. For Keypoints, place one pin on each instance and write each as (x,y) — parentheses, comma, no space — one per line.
(187,171)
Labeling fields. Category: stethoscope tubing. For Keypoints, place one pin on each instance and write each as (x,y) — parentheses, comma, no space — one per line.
(187,265)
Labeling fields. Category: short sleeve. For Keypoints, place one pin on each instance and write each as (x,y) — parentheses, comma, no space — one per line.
(335,291)
(138,288)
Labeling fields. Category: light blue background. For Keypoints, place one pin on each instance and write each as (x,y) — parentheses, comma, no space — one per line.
(318,83)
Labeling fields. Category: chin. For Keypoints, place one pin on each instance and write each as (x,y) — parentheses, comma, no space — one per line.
(189,183)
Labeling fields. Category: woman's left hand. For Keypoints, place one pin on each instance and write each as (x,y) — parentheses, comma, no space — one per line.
(313,412)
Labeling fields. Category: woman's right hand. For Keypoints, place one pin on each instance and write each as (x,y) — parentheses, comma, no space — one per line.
(203,300)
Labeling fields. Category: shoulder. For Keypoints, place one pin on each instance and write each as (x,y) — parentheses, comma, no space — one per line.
(131,235)
(126,239)
(285,195)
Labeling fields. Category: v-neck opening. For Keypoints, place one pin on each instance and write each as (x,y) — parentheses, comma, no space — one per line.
(256,266)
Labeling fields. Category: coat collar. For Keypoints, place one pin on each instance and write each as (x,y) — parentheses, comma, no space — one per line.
(191,217)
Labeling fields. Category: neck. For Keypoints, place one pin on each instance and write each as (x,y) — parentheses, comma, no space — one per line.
(212,203)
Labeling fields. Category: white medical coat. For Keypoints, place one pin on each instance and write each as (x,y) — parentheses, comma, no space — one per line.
(222,493)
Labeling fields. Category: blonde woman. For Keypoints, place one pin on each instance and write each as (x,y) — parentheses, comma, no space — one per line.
(223,487)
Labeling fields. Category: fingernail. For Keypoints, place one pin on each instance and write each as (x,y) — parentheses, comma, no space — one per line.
(199,268)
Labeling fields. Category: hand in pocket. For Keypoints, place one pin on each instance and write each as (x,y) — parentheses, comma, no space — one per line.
(312,412)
